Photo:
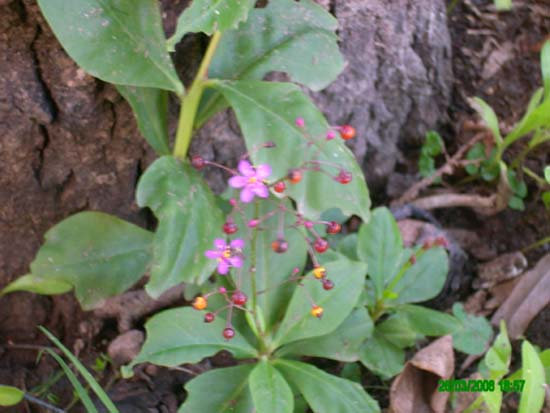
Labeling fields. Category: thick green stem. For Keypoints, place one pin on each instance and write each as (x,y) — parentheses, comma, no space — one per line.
(190,102)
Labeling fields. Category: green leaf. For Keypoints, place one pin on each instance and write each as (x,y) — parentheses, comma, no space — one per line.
(424,279)
(270,391)
(99,254)
(532,397)
(516,203)
(10,396)
(299,324)
(342,344)
(545,68)
(497,358)
(37,285)
(222,391)
(489,117)
(189,221)
(518,187)
(120,42)
(503,5)
(433,144)
(351,371)
(180,335)
(286,36)
(324,392)
(474,334)
(379,244)
(426,165)
(92,383)
(150,108)
(547,173)
(546,199)
(533,119)
(429,322)
(209,16)
(476,152)
(347,246)
(267,111)
(397,330)
(382,357)
(272,269)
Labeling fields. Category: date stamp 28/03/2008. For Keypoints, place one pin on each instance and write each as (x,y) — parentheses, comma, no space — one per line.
(474,386)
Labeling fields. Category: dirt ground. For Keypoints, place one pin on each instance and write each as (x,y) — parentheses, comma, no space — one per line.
(495,56)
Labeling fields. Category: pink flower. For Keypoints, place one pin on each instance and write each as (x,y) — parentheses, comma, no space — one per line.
(251,181)
(227,255)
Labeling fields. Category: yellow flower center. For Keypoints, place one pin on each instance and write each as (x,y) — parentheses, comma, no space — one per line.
(226,253)
(317,311)
(319,272)
(252,180)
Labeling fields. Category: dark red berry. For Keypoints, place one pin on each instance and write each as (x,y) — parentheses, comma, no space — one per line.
(230,227)
(228,333)
(427,244)
(294,176)
(344,177)
(209,317)
(347,132)
(327,284)
(279,187)
(333,227)
(320,245)
(279,246)
(239,298)
(197,162)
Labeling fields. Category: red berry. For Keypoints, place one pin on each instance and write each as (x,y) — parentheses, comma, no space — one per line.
(239,298)
(327,284)
(279,246)
(320,245)
(228,333)
(230,227)
(347,132)
(427,244)
(294,176)
(333,227)
(344,177)
(209,317)
(197,162)
(279,187)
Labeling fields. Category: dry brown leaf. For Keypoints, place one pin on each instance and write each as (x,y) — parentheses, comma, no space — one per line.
(415,390)
(530,295)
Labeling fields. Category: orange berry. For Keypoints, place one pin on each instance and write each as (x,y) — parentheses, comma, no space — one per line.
(319,272)
(294,176)
(347,132)
(317,311)
(279,187)
(200,303)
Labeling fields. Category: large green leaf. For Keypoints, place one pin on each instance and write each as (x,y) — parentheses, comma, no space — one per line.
(270,391)
(429,322)
(286,36)
(324,392)
(118,41)
(489,117)
(181,336)
(424,279)
(266,111)
(272,269)
(474,334)
(398,331)
(497,358)
(299,324)
(545,68)
(208,16)
(99,254)
(342,344)
(10,396)
(222,391)
(189,221)
(379,244)
(532,397)
(38,285)
(150,107)
(382,357)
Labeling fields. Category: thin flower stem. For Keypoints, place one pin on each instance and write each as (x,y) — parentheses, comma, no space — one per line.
(42,403)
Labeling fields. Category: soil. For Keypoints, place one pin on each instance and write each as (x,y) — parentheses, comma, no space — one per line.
(69,143)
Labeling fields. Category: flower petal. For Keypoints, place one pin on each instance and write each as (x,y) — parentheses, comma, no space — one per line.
(237,243)
(237,181)
(263,171)
(247,195)
(223,267)
(261,190)
(212,254)
(220,244)
(246,169)
(236,261)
